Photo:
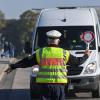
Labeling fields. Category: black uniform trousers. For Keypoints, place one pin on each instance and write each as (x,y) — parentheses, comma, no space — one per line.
(52,91)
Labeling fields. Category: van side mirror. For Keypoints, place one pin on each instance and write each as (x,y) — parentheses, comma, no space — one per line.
(99,48)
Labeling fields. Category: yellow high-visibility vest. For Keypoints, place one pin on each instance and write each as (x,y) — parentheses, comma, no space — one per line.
(52,62)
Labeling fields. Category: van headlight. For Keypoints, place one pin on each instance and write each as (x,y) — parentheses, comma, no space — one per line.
(90,68)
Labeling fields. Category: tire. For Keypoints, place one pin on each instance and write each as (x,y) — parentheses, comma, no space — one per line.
(96,93)
(34,89)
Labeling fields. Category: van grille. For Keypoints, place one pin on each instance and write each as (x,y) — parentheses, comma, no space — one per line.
(74,70)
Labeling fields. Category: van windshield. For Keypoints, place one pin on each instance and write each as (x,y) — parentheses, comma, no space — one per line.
(69,40)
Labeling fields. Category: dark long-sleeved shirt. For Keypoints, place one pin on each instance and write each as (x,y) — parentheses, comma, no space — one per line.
(31,60)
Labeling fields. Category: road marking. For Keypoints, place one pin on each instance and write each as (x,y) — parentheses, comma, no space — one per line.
(3,73)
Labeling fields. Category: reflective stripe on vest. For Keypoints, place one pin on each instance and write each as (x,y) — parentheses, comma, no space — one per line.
(52,63)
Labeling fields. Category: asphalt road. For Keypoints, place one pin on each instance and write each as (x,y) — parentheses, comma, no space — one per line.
(15,86)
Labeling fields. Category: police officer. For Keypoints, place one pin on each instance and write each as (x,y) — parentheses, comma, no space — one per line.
(52,61)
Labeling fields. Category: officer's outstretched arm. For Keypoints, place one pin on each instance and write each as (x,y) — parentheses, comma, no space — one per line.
(18,64)
(9,69)
(73,60)
(24,63)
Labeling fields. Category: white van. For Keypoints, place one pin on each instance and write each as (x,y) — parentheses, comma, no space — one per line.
(72,23)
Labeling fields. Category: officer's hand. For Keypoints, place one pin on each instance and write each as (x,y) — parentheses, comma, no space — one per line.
(9,69)
(87,52)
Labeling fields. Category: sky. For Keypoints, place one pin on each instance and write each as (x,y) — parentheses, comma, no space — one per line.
(14,8)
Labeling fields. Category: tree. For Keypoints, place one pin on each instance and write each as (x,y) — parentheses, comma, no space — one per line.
(19,31)
(2,20)
(11,33)
(27,22)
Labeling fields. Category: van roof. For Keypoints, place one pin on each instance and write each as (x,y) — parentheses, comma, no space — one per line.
(67,17)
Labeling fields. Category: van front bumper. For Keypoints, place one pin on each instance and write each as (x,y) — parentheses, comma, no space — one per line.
(85,84)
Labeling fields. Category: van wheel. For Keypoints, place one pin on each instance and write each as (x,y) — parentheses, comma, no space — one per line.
(34,89)
(96,93)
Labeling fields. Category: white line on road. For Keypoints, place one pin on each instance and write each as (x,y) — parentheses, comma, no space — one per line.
(3,73)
